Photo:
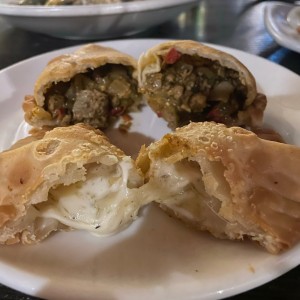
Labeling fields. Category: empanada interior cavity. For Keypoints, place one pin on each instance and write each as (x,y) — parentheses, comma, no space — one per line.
(100,198)
(196,191)
(181,188)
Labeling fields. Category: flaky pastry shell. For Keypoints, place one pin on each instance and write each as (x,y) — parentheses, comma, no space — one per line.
(39,112)
(69,177)
(229,182)
(189,97)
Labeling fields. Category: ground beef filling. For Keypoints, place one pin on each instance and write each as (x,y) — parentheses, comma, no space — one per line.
(95,97)
(196,89)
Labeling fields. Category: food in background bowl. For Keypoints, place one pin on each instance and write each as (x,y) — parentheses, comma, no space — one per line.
(67,2)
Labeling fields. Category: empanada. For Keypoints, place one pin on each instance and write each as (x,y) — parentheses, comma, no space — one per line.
(93,85)
(227,181)
(70,177)
(187,81)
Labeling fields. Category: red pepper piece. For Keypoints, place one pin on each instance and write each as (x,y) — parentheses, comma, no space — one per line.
(117,111)
(159,114)
(172,56)
(215,115)
(60,113)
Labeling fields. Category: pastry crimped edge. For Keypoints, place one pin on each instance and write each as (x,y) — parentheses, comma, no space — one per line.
(263,177)
(35,164)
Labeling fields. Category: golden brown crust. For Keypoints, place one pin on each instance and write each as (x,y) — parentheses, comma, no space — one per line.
(262,177)
(62,69)
(33,165)
(255,104)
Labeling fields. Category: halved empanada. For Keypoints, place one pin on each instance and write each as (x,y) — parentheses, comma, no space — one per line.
(70,177)
(93,85)
(227,181)
(186,81)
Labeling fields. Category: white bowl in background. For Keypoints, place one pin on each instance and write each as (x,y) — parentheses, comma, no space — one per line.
(277,21)
(94,21)
(293,18)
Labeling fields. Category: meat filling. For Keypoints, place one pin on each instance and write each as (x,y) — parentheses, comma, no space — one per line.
(191,88)
(95,97)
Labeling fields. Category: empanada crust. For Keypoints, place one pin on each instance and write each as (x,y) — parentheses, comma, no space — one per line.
(150,62)
(262,177)
(62,69)
(37,163)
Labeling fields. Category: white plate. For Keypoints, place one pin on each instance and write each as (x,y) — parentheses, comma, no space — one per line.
(156,257)
(94,21)
(275,17)
(293,18)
